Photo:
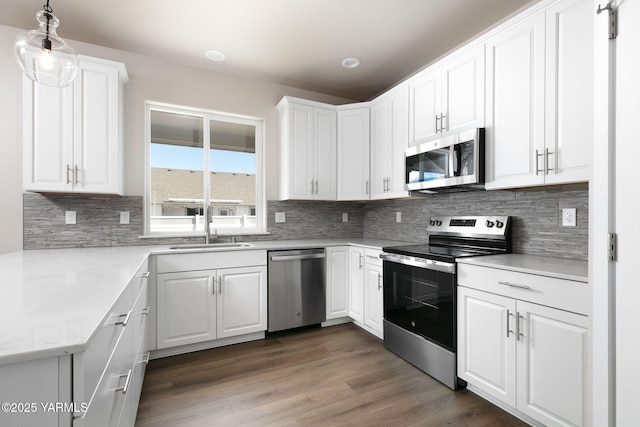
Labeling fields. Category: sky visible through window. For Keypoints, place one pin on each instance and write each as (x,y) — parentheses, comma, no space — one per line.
(176,157)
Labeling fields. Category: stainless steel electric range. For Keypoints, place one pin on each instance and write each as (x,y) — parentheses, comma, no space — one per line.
(419,284)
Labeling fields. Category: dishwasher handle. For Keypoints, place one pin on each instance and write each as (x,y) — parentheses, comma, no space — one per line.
(296,257)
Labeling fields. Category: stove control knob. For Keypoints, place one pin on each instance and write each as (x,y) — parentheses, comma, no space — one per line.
(499,224)
(432,222)
(438,222)
(490,224)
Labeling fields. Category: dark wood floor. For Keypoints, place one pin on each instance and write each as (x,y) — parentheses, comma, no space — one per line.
(335,376)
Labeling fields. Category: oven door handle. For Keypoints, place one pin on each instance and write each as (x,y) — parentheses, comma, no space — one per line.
(429,264)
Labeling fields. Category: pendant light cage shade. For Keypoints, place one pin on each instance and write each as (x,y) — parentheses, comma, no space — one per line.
(43,56)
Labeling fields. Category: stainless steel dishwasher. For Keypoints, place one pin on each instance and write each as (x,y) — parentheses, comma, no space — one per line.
(296,288)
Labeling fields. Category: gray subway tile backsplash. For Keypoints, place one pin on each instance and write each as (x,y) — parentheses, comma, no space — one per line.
(536,216)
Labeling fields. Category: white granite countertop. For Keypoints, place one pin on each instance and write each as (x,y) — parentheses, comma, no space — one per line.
(52,301)
(561,268)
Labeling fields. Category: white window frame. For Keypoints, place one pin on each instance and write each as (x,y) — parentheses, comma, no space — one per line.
(207,116)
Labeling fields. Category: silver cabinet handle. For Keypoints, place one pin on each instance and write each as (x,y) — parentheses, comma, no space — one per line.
(437,120)
(361,261)
(220,279)
(514,285)
(213,286)
(538,170)
(366,184)
(68,172)
(145,311)
(126,319)
(145,275)
(546,161)
(508,328)
(76,175)
(518,333)
(442,125)
(316,186)
(379,281)
(146,358)
(311,186)
(125,388)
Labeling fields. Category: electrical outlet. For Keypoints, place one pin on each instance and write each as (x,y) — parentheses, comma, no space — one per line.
(569,217)
(398,216)
(345,217)
(124,217)
(70,217)
(280,217)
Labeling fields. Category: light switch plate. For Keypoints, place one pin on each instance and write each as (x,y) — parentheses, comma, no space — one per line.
(398,216)
(280,217)
(569,217)
(124,217)
(70,217)
(345,217)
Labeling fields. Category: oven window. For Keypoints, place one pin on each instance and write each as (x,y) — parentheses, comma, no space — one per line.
(421,301)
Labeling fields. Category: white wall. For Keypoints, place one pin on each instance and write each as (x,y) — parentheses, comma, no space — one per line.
(149,79)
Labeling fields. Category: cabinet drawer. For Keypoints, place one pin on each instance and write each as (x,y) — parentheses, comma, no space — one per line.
(116,383)
(372,256)
(210,260)
(89,365)
(559,293)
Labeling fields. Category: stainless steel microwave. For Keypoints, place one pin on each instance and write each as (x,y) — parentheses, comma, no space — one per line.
(455,162)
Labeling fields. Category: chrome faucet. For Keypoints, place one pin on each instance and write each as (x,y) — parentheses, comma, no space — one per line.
(207,226)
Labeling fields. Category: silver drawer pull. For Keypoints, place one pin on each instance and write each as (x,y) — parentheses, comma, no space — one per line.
(125,388)
(146,358)
(126,319)
(145,311)
(514,285)
(145,275)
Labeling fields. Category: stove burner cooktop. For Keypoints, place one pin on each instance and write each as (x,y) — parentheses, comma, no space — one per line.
(437,253)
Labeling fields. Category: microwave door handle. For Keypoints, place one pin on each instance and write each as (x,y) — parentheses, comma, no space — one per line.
(453,161)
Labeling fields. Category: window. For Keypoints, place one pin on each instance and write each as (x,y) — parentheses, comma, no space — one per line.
(199,162)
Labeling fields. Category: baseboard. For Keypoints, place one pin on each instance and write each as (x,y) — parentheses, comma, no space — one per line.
(189,348)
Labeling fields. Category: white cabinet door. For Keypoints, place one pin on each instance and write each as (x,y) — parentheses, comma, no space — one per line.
(424,107)
(47,136)
(569,94)
(389,139)
(356,284)
(97,129)
(337,275)
(353,154)
(487,344)
(308,135)
(448,98)
(241,301)
(463,91)
(325,135)
(186,308)
(373,307)
(72,136)
(552,365)
(297,148)
(515,105)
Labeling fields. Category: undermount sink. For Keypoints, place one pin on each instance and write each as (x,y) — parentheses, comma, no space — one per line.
(211,246)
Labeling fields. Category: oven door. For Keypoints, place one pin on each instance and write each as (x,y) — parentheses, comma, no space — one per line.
(421,300)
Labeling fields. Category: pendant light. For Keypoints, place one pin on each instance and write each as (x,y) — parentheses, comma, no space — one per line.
(43,56)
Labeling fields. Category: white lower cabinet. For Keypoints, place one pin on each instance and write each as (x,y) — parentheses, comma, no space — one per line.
(198,306)
(337,274)
(531,357)
(365,284)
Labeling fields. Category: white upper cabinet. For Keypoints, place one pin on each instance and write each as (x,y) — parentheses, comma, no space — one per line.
(389,139)
(73,135)
(353,152)
(308,133)
(515,105)
(540,100)
(448,97)
(569,91)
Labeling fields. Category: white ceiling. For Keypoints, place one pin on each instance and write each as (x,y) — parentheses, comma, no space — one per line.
(298,43)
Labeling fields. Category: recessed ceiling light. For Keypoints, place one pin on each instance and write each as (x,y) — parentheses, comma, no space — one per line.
(350,62)
(214,55)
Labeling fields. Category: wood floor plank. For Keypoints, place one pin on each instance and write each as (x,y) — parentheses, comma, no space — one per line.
(335,376)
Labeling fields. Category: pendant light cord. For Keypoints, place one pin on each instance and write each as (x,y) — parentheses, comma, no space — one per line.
(48,11)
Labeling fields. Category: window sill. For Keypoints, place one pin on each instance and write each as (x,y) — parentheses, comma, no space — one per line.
(189,235)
